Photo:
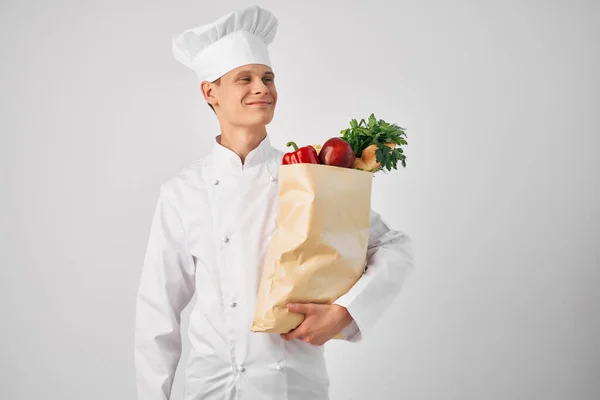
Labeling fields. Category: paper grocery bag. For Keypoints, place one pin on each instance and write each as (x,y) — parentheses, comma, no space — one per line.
(319,247)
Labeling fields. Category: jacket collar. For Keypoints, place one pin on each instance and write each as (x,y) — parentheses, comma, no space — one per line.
(226,159)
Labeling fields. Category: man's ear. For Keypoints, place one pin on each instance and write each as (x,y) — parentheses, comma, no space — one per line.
(208,93)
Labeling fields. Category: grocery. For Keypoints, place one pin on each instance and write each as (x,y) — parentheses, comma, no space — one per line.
(306,154)
(376,143)
(337,152)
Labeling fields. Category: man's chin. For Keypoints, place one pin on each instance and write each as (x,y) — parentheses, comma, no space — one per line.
(263,119)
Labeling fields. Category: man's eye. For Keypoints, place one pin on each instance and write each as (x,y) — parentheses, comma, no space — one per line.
(245,79)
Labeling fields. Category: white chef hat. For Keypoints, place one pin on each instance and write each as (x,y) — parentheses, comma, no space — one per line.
(238,38)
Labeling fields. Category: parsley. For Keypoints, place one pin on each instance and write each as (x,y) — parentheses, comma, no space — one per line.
(388,138)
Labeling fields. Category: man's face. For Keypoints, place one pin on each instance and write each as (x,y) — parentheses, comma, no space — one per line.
(245,96)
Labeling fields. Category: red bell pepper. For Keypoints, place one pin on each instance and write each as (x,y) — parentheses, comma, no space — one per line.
(307,155)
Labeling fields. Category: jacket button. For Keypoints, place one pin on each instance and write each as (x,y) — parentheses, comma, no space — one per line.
(225,239)
(279,367)
(216,182)
(233,303)
(272,178)
(242,368)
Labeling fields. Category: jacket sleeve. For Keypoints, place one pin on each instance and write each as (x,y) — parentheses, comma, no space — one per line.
(166,287)
(390,260)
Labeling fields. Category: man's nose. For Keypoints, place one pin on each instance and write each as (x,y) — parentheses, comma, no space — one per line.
(260,87)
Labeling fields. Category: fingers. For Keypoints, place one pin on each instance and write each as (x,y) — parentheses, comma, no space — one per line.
(306,330)
(293,334)
(306,308)
(303,334)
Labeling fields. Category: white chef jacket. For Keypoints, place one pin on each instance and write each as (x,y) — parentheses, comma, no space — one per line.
(209,235)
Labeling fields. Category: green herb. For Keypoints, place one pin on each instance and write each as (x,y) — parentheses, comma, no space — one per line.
(363,134)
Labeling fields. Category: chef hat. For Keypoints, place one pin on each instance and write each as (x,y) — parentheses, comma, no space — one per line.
(238,38)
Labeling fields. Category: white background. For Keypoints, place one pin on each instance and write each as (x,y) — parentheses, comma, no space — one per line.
(500,194)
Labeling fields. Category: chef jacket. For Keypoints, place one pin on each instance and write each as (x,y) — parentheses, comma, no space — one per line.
(209,234)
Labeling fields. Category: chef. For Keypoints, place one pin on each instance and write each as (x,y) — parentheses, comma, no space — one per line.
(209,234)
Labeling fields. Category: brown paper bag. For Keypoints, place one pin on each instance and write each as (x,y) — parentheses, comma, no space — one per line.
(319,247)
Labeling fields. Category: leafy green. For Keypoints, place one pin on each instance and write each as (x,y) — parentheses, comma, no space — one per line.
(365,133)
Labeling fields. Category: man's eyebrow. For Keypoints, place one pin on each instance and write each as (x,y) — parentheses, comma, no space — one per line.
(250,72)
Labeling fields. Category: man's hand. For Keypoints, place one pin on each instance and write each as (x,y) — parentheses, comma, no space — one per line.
(321,323)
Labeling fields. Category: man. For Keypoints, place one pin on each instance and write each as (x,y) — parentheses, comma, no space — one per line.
(209,235)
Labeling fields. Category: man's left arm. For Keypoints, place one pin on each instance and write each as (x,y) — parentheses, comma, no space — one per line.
(390,260)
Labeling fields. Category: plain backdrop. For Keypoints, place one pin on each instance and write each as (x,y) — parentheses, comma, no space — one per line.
(500,195)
